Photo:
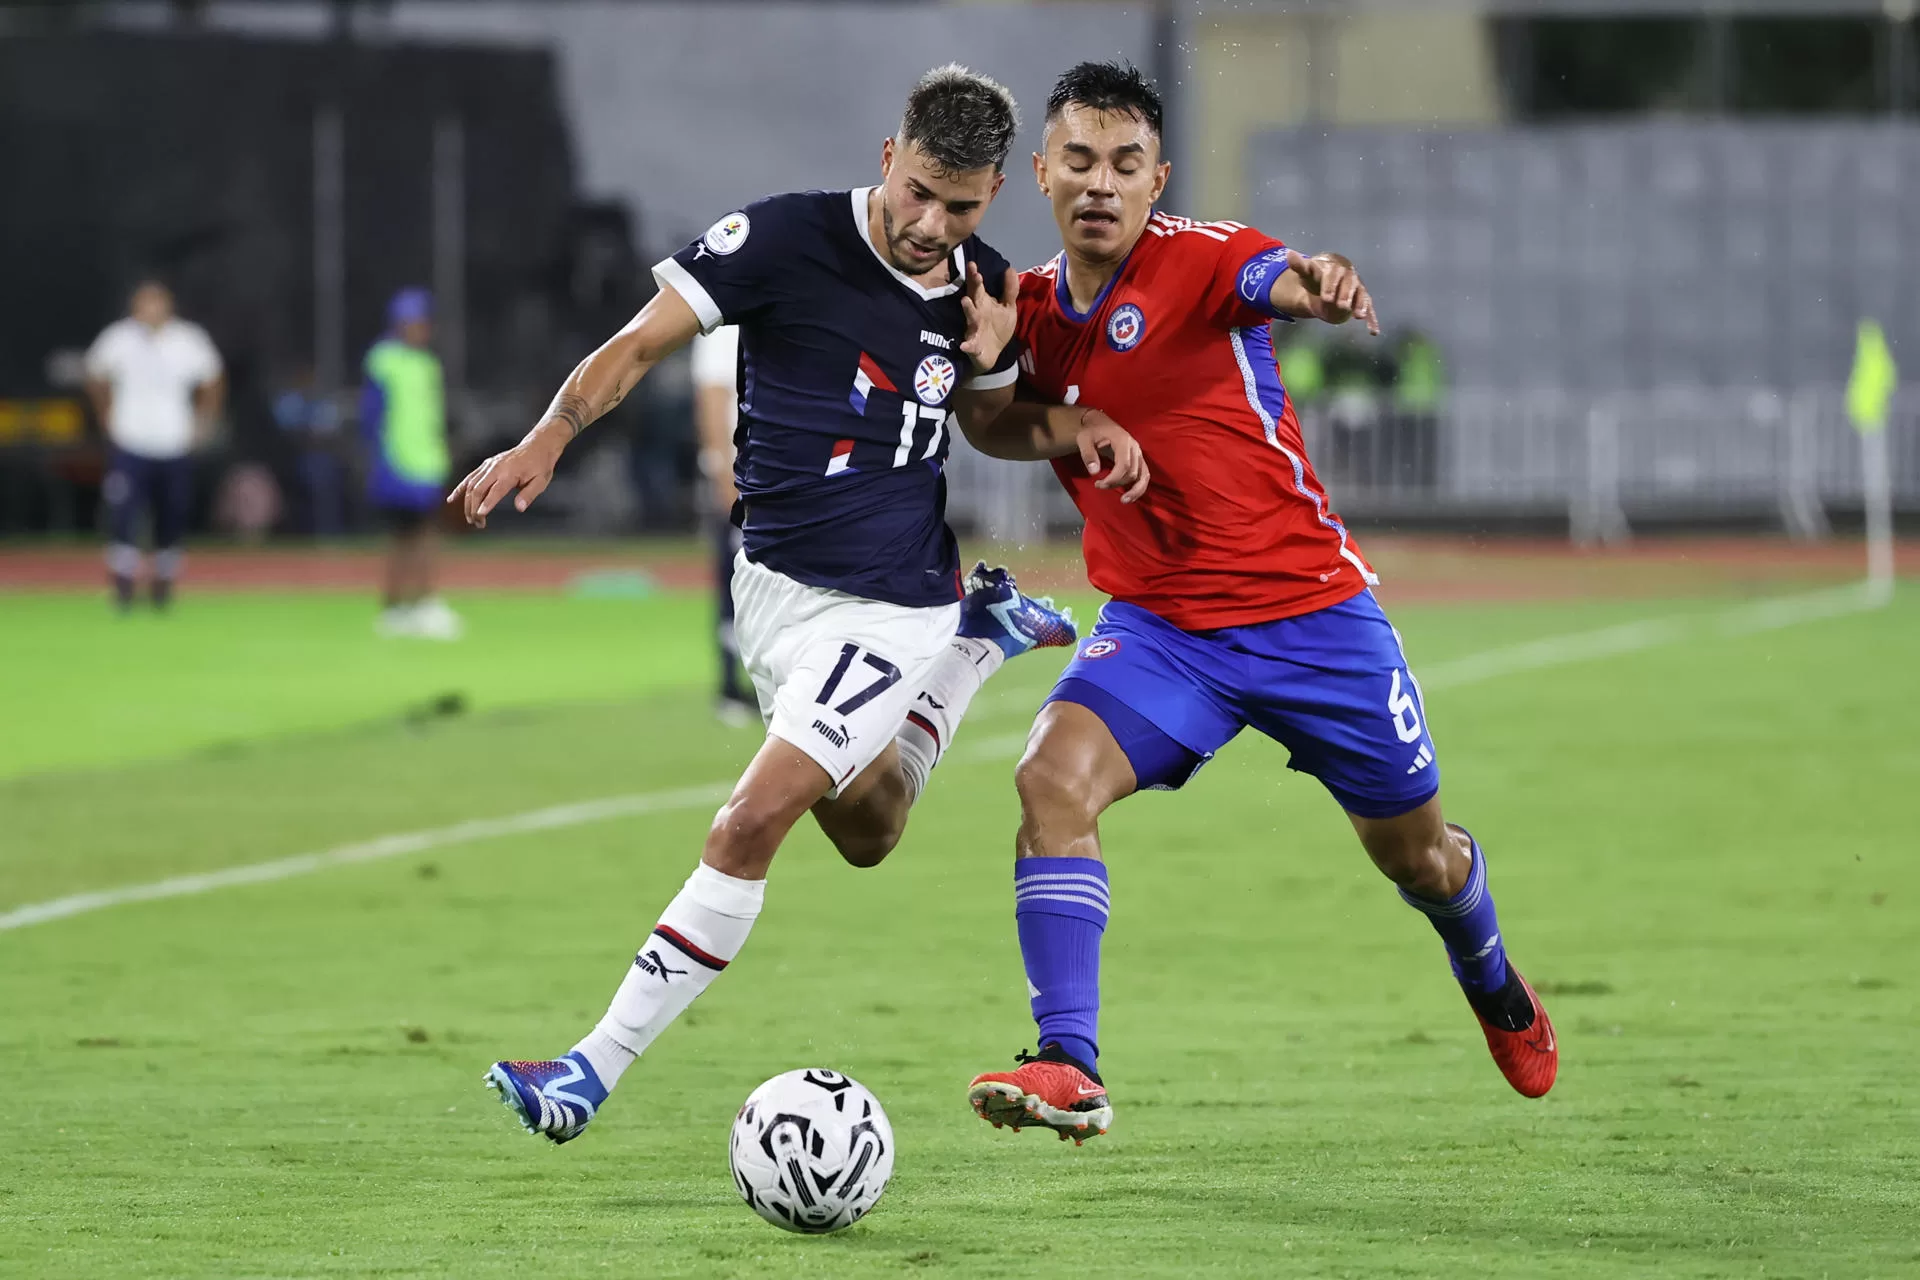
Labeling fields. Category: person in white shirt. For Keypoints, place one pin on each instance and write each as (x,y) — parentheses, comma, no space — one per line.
(156,384)
(716,402)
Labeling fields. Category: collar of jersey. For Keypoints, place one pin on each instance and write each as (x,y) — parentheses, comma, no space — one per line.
(1064,297)
(958,265)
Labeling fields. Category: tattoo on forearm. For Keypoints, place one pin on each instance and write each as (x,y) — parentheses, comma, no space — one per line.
(572,410)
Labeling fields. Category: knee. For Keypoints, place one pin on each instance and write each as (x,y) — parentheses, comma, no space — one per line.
(866,848)
(865,826)
(1417,863)
(1054,796)
(745,835)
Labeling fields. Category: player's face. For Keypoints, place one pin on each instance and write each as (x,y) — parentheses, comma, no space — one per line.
(151,305)
(1102,171)
(926,211)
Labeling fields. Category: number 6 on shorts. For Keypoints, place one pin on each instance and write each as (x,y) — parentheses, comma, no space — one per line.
(889,676)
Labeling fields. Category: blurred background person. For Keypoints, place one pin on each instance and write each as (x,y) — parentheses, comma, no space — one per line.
(156,384)
(1419,390)
(310,423)
(404,423)
(716,412)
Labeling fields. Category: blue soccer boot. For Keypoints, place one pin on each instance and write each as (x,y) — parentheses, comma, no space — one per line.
(555,1099)
(994,609)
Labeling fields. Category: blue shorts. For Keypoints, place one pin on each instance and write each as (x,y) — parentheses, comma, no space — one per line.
(1331,686)
(390,491)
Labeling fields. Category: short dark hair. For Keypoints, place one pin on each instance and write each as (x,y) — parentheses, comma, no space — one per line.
(1107,86)
(960,120)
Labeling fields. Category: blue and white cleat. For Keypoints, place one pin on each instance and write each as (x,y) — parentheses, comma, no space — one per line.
(551,1098)
(995,610)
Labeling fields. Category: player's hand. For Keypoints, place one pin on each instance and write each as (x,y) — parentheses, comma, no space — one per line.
(1337,288)
(1107,446)
(990,321)
(527,467)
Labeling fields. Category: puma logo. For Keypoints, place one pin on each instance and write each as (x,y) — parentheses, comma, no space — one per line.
(650,962)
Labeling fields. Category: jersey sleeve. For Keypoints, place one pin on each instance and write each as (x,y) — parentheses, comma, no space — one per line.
(205,356)
(103,357)
(727,274)
(1240,292)
(993,269)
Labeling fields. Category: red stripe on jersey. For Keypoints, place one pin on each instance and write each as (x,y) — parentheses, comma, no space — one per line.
(872,370)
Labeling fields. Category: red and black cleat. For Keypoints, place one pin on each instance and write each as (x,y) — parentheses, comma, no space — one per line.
(1047,1090)
(1529,1058)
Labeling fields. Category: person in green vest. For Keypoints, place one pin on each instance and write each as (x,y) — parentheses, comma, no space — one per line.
(1420,376)
(1302,371)
(404,422)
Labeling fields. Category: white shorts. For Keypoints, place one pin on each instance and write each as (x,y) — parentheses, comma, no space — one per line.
(836,673)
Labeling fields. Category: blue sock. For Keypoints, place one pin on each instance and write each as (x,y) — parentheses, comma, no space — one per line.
(1468,927)
(1060,906)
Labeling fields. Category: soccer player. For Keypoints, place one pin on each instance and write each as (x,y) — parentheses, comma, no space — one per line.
(1238,597)
(863,315)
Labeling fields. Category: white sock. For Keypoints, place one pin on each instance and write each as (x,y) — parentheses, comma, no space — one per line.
(943,699)
(699,933)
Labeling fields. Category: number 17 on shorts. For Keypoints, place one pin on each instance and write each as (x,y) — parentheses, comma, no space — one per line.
(842,704)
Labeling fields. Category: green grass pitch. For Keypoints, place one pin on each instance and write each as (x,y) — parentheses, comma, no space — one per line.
(1700,848)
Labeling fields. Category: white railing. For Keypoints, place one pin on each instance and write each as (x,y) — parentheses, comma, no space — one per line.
(1603,460)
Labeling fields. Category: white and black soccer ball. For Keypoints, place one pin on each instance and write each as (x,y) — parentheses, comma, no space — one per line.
(811,1151)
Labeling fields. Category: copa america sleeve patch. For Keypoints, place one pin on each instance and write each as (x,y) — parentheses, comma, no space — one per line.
(727,235)
(1255,282)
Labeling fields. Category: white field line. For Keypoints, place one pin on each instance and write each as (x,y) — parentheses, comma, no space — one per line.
(1534,655)
(563,815)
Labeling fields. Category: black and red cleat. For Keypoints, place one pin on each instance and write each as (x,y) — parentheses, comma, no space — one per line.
(1529,1055)
(1048,1090)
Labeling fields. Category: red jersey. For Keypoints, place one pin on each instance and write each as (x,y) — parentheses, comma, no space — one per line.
(1234,528)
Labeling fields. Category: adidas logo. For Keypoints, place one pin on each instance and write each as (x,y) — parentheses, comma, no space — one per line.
(1422,760)
(838,737)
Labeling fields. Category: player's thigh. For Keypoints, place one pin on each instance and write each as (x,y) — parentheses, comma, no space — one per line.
(124,491)
(1335,689)
(172,500)
(1074,761)
(836,674)
(1151,688)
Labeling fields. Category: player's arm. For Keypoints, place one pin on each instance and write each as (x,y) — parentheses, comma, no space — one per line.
(99,381)
(1001,426)
(100,396)
(1326,287)
(209,398)
(595,386)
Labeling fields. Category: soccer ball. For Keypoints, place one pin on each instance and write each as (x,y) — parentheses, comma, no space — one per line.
(811,1151)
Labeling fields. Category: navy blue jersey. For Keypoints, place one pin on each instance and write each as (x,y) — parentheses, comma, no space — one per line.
(848,369)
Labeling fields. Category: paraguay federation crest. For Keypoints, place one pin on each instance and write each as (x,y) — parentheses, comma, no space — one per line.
(934,380)
(1126,327)
(728,234)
